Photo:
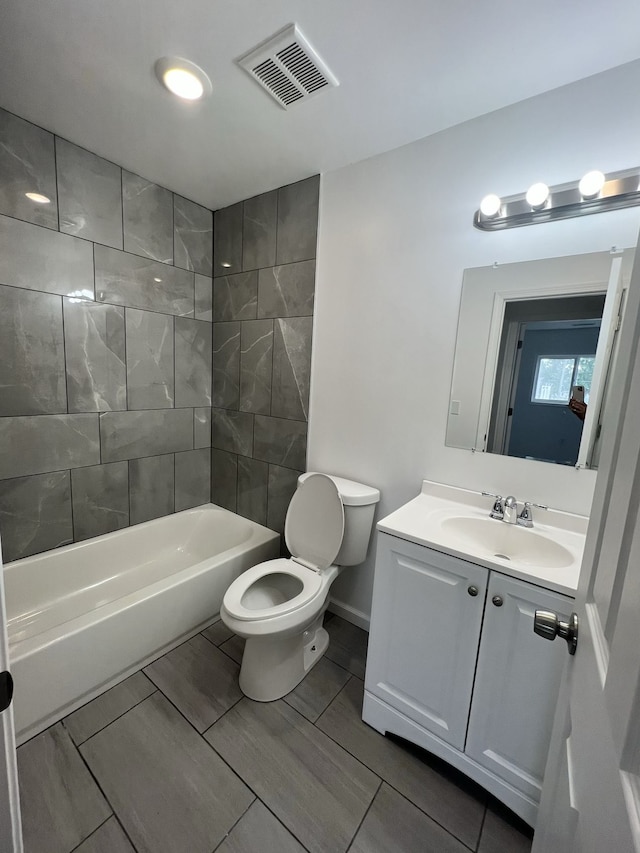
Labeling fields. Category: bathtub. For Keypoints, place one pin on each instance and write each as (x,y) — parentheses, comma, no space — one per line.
(83,617)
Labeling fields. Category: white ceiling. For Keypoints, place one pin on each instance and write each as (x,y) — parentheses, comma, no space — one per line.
(407,68)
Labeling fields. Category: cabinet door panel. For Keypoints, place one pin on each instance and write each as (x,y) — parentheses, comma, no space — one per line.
(516,686)
(425,630)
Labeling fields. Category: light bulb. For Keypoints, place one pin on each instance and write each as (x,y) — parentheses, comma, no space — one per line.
(490,205)
(38,198)
(155,278)
(591,184)
(183,83)
(225,264)
(537,196)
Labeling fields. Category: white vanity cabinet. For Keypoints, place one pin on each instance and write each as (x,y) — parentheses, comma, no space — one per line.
(454,666)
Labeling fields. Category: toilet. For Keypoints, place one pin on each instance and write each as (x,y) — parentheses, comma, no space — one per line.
(278,606)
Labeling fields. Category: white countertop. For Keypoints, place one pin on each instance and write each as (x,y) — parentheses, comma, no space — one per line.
(446,518)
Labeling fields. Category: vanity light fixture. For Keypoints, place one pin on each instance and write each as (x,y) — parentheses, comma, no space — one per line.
(183,78)
(490,205)
(38,198)
(594,193)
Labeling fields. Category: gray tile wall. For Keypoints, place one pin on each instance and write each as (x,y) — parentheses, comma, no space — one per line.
(263,290)
(105,345)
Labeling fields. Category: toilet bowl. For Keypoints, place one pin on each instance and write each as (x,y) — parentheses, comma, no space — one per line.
(278,606)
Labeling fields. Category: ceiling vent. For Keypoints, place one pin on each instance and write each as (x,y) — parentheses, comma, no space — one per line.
(288,67)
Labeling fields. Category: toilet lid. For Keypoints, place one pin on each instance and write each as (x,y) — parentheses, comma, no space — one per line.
(314,526)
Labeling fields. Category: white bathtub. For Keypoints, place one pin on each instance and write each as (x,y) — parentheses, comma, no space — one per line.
(83,617)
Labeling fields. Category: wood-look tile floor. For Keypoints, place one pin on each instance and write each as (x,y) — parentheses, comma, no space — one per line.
(175,760)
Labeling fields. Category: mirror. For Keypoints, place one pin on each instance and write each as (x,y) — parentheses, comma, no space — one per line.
(533,353)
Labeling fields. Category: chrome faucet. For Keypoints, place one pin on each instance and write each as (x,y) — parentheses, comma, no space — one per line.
(510,510)
(507,510)
(497,511)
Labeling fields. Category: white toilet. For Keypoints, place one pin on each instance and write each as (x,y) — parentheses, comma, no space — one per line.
(279,605)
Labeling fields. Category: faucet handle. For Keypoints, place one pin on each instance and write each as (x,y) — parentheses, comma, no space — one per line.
(525,519)
(498,509)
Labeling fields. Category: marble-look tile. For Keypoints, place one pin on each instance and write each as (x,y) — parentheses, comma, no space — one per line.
(150,373)
(35,445)
(227,241)
(291,368)
(192,236)
(131,435)
(232,431)
(151,488)
(217,633)
(280,441)
(27,165)
(317,689)
(38,259)
(298,221)
(95,356)
(256,363)
(281,486)
(234,647)
(224,479)
(109,838)
(235,297)
(287,291)
(193,362)
(89,195)
(35,514)
(204,297)
(193,478)
(31,353)
(137,282)
(172,793)
(202,427)
(347,645)
(273,748)
(252,489)
(200,681)
(100,499)
(259,826)
(259,231)
(503,832)
(148,218)
(393,823)
(60,802)
(226,365)
(104,709)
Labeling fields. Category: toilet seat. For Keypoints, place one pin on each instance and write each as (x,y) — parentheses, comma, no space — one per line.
(312,584)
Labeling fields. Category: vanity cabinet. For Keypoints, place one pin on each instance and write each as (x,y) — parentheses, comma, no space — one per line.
(454,666)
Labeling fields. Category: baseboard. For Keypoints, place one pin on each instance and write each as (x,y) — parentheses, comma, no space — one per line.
(349,613)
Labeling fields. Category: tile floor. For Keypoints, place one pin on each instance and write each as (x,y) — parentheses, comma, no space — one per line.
(176,760)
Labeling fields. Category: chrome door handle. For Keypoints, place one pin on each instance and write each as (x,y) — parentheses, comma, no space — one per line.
(549,626)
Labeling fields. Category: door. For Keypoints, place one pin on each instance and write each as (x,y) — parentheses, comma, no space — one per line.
(591,794)
(10,827)
(427,614)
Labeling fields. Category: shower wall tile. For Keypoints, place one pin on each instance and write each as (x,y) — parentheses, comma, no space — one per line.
(252,489)
(224,479)
(259,231)
(232,431)
(298,221)
(95,356)
(151,488)
(31,353)
(282,484)
(35,514)
(27,165)
(149,360)
(192,236)
(202,427)
(256,358)
(291,367)
(148,218)
(204,297)
(132,435)
(287,291)
(100,499)
(235,297)
(193,478)
(142,283)
(280,441)
(38,259)
(227,241)
(89,195)
(226,365)
(36,445)
(193,362)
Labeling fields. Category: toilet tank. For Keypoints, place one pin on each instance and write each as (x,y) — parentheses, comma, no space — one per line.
(359,502)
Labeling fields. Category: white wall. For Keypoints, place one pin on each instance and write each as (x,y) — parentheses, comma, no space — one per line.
(394,238)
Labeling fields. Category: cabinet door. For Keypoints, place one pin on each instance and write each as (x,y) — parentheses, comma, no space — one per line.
(516,686)
(425,630)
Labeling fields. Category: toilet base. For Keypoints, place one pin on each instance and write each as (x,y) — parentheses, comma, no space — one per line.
(273,666)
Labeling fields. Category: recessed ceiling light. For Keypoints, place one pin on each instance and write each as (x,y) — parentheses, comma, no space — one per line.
(38,198)
(183,78)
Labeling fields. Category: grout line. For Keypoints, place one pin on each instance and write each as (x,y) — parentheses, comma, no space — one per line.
(92,833)
(106,726)
(484,817)
(55,178)
(231,828)
(364,817)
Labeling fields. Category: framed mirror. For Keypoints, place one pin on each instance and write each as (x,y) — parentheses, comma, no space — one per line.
(534,347)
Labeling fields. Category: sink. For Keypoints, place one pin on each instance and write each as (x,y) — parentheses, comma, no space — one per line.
(506,542)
